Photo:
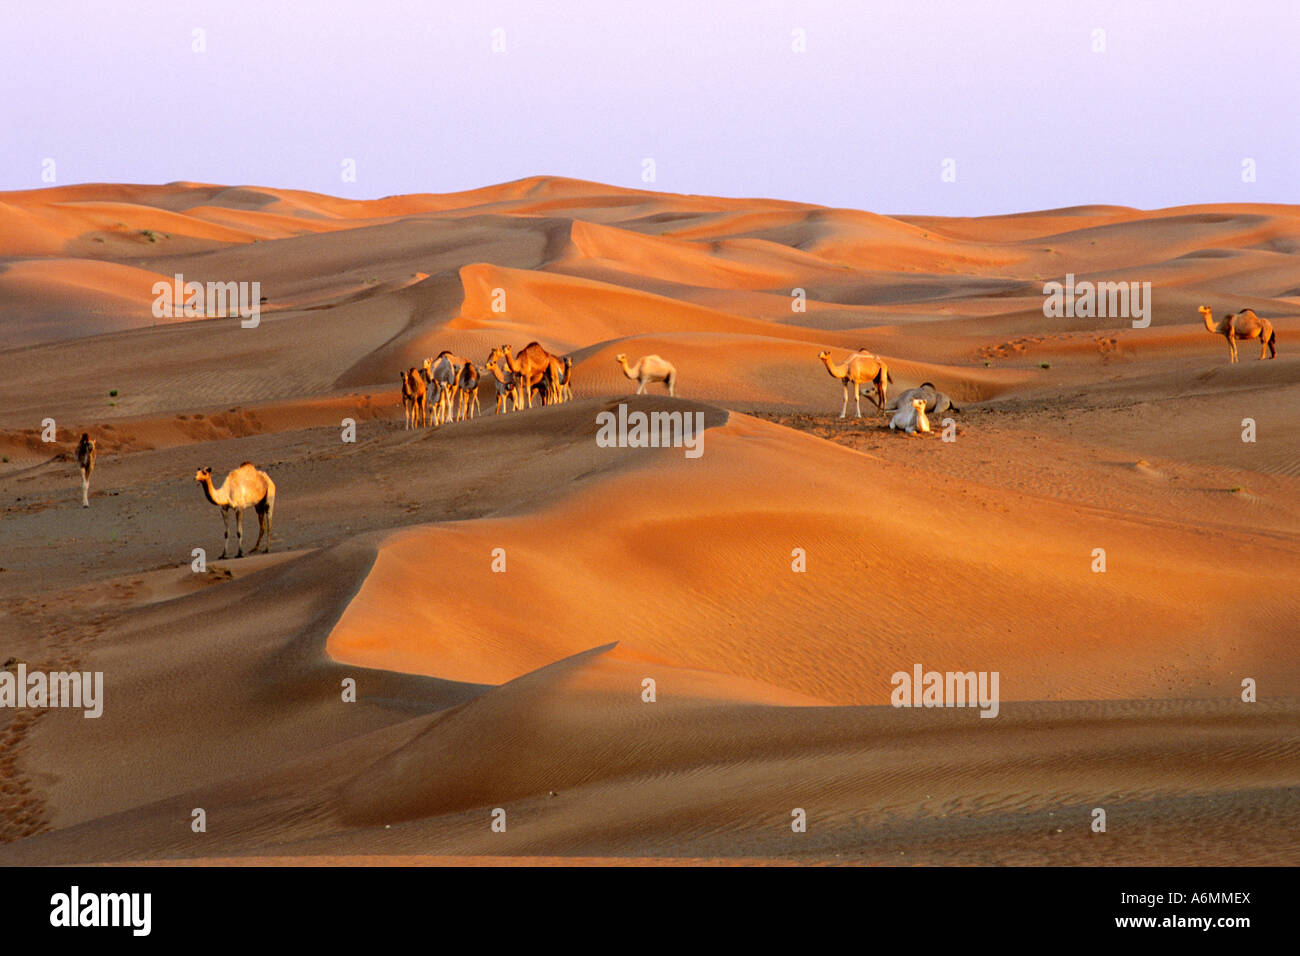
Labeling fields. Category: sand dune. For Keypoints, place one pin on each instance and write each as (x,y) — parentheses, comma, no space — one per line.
(500,590)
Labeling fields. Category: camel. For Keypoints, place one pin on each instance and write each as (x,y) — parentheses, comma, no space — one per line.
(566,392)
(414,397)
(445,373)
(505,386)
(555,381)
(857,370)
(935,400)
(911,417)
(531,363)
(467,384)
(1244,325)
(513,372)
(245,487)
(86,459)
(650,368)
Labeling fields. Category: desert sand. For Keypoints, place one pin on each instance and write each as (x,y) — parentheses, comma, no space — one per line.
(522,690)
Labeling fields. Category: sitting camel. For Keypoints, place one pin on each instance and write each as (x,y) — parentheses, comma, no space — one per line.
(650,368)
(911,417)
(245,487)
(86,459)
(935,400)
(1244,325)
(859,369)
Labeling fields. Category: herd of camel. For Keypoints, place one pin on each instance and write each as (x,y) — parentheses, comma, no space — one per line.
(445,388)
(454,383)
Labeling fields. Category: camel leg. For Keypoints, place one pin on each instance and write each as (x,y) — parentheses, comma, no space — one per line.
(640,386)
(261,528)
(225,526)
(844,409)
(239,530)
(857,401)
(85,487)
(672,387)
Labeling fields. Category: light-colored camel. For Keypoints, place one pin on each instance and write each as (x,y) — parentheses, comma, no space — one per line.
(245,487)
(414,397)
(1245,325)
(445,373)
(911,417)
(650,368)
(859,369)
(505,386)
(513,372)
(467,386)
(86,459)
(935,400)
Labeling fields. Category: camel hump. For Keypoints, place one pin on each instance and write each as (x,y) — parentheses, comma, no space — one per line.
(245,464)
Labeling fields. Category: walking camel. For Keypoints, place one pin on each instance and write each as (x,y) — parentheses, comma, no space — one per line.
(86,459)
(505,386)
(514,372)
(414,397)
(467,385)
(650,368)
(1245,325)
(245,487)
(859,369)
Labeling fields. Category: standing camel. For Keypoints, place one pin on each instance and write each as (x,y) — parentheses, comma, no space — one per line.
(566,391)
(531,363)
(467,384)
(651,368)
(414,397)
(86,459)
(859,369)
(245,487)
(513,371)
(1245,325)
(445,373)
(505,385)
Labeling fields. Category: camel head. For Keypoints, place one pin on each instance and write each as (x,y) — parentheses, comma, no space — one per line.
(202,475)
(1205,311)
(824,355)
(918,404)
(621,357)
(428,364)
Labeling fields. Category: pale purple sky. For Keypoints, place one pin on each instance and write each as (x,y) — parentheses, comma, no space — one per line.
(711,90)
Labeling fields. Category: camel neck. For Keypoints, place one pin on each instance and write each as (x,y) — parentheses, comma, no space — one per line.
(211,492)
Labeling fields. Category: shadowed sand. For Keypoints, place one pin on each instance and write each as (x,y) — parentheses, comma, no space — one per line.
(524,689)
